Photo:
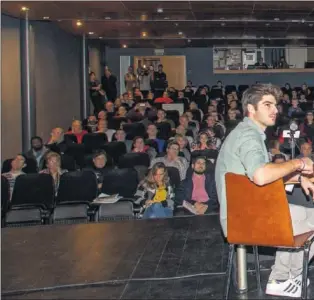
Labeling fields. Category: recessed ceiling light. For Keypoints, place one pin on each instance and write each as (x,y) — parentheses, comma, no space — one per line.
(125,46)
(143,17)
(189,41)
(267,24)
(100,37)
(107,18)
(276,19)
(311,24)
(91,32)
(160,10)
(24,8)
(79,23)
(176,24)
(166,18)
(222,24)
(180,33)
(46,18)
(144,34)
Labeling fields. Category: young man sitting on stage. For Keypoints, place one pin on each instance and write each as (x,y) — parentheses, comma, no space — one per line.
(244,152)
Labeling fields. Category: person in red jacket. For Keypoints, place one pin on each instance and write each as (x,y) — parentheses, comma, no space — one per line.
(77,130)
(164,99)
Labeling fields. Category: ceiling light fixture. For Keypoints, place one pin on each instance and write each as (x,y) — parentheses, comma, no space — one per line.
(100,37)
(125,46)
(267,24)
(143,17)
(24,8)
(46,18)
(79,23)
(160,10)
(222,24)
(180,33)
(107,18)
(276,19)
(311,24)
(166,18)
(91,32)
(144,34)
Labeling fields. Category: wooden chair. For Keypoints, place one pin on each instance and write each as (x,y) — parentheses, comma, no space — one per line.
(260,216)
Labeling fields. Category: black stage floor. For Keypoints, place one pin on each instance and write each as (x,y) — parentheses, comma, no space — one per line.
(75,261)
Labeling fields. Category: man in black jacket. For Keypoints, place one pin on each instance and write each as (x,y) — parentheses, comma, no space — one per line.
(160,82)
(197,192)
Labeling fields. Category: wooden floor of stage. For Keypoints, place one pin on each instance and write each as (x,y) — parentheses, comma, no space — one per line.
(83,261)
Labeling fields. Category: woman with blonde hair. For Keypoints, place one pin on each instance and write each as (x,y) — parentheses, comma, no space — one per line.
(53,163)
(155,193)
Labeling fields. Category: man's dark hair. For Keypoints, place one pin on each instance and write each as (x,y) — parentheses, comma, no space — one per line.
(255,93)
(97,153)
(171,144)
(36,138)
(196,158)
(279,156)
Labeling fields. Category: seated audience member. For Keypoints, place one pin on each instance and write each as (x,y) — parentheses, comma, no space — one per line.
(150,95)
(217,127)
(155,193)
(120,136)
(56,142)
(198,188)
(102,115)
(235,105)
(231,121)
(164,99)
(202,142)
(127,100)
(294,109)
(152,135)
(122,112)
(109,106)
(274,149)
(17,164)
(189,115)
(53,163)
(77,130)
(193,107)
(183,142)
(172,159)
(138,146)
(37,152)
(279,158)
(181,130)
(91,125)
(307,127)
(103,128)
(99,166)
(161,117)
(117,104)
(306,151)
(184,121)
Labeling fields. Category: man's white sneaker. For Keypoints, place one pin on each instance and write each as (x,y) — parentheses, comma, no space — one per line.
(289,288)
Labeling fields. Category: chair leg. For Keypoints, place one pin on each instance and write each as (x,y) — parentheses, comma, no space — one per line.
(257,268)
(229,271)
(306,255)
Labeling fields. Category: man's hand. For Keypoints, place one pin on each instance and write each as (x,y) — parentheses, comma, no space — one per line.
(307,166)
(307,186)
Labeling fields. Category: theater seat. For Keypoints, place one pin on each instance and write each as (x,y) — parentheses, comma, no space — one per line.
(32,201)
(76,192)
(121,210)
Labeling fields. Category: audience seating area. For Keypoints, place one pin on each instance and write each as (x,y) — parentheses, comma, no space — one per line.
(35,201)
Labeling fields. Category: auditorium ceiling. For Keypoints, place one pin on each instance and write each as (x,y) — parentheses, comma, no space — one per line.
(177,23)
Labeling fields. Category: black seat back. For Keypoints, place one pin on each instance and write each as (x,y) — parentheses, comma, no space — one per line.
(129,160)
(164,130)
(5,194)
(134,129)
(77,151)
(94,141)
(120,181)
(70,138)
(68,162)
(78,186)
(115,150)
(33,190)
(173,115)
(174,176)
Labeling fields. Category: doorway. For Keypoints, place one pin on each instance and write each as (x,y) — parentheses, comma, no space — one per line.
(174,67)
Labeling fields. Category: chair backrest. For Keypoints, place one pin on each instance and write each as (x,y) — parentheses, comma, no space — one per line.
(257,215)
(164,130)
(129,160)
(5,193)
(77,186)
(174,176)
(94,141)
(120,181)
(134,129)
(70,137)
(33,190)
(115,150)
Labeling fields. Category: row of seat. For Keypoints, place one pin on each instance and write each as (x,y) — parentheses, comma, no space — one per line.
(34,202)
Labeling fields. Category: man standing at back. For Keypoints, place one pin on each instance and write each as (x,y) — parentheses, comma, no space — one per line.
(244,152)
